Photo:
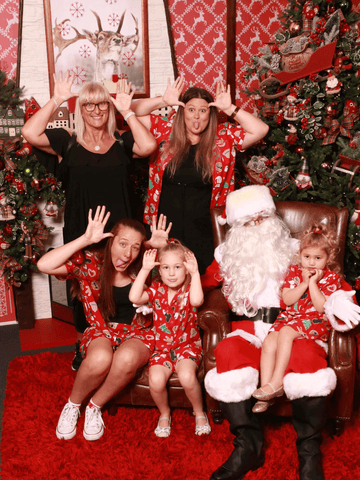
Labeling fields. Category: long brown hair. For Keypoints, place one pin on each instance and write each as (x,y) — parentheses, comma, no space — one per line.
(179,144)
(106,299)
(324,237)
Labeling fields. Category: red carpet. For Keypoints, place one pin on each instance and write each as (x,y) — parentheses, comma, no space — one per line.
(38,386)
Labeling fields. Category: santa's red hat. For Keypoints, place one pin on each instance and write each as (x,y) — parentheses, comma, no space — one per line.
(247,202)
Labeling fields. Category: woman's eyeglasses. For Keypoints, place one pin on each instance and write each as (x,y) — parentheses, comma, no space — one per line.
(90,107)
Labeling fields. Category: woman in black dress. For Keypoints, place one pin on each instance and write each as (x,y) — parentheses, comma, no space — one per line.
(193,167)
(94,159)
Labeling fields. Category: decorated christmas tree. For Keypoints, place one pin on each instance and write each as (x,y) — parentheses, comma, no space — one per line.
(308,92)
(23,181)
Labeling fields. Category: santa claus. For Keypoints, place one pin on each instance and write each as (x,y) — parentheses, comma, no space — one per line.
(251,265)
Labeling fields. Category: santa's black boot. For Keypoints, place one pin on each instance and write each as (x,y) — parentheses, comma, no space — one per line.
(309,419)
(247,454)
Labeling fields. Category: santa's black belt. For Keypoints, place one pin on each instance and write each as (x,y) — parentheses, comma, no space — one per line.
(267,315)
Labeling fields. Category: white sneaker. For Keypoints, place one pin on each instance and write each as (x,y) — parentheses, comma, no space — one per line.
(94,424)
(66,427)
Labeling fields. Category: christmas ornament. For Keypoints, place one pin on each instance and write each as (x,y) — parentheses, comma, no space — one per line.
(291,110)
(299,149)
(311,13)
(320,132)
(326,166)
(19,186)
(295,54)
(257,164)
(27,240)
(36,183)
(29,210)
(279,149)
(355,218)
(339,64)
(291,138)
(331,110)
(303,179)
(51,209)
(333,85)
(294,28)
(280,179)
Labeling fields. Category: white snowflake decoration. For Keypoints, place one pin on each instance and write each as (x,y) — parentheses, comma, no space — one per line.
(77,9)
(128,58)
(113,20)
(85,51)
(79,75)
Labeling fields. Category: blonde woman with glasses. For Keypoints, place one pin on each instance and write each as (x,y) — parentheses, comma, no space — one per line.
(94,158)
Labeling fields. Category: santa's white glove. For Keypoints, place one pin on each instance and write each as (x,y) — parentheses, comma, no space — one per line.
(341,304)
(144,309)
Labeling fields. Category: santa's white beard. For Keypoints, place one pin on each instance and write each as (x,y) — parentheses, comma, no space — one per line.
(252,256)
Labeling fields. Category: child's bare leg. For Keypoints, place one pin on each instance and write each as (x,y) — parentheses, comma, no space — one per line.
(186,370)
(268,356)
(158,378)
(284,345)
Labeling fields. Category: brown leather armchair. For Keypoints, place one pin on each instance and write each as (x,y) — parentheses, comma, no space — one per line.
(214,314)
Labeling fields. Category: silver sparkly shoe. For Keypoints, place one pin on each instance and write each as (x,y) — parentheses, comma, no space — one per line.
(202,429)
(163,431)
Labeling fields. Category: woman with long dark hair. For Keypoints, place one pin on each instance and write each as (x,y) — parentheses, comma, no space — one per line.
(117,343)
(193,168)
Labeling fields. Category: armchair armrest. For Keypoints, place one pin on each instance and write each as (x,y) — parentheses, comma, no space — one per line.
(342,358)
(213,318)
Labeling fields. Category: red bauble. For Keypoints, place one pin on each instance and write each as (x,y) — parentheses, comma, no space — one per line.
(7,230)
(299,149)
(320,132)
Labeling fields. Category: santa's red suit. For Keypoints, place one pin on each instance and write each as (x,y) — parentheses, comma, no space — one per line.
(253,265)
(236,375)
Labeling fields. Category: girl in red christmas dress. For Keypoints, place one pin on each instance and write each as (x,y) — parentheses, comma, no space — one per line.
(177,339)
(304,293)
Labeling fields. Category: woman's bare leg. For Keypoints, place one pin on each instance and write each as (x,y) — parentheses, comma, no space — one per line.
(93,369)
(128,358)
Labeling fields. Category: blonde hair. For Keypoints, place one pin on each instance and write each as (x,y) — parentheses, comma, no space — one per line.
(175,246)
(324,237)
(93,92)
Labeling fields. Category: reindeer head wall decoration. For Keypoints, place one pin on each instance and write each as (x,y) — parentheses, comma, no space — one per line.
(108,44)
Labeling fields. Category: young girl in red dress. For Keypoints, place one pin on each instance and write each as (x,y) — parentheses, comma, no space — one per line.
(177,340)
(305,290)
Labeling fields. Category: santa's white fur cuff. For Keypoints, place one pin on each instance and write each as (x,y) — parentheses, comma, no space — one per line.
(318,384)
(233,386)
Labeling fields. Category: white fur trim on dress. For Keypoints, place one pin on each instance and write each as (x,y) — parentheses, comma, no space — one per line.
(318,384)
(262,329)
(233,386)
(247,336)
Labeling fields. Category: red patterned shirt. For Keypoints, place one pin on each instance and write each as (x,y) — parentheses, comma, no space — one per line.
(228,138)
(174,325)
